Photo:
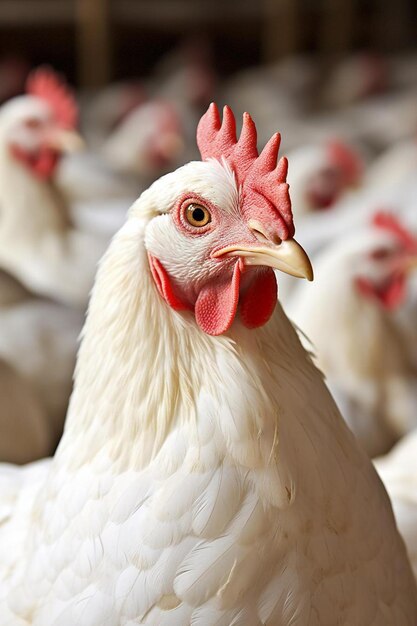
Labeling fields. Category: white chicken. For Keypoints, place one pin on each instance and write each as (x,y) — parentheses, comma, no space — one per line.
(394,166)
(38,245)
(205,475)
(348,314)
(321,174)
(398,470)
(148,141)
(385,119)
(321,229)
(355,78)
(42,256)
(101,112)
(39,339)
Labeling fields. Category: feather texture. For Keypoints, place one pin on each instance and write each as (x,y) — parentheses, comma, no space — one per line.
(202,480)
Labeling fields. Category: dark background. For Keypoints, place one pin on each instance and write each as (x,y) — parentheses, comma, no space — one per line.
(96,41)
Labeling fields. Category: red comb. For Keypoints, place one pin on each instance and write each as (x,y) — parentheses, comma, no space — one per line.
(44,83)
(262,180)
(387,221)
(347,159)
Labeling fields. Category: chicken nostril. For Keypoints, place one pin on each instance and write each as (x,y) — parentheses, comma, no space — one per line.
(262,234)
(259,236)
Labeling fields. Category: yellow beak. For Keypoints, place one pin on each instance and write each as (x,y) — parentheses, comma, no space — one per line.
(66,141)
(287,256)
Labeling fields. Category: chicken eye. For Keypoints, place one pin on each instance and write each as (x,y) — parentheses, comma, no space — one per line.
(197,215)
(381,254)
(32,123)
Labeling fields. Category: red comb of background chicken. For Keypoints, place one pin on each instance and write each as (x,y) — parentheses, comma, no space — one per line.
(44,83)
(387,221)
(347,159)
(261,179)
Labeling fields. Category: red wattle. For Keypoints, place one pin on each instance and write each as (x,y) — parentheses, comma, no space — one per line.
(258,302)
(217,303)
(42,163)
(390,295)
(44,166)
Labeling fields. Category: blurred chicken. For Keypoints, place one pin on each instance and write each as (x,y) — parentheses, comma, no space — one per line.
(375,122)
(354,212)
(101,187)
(139,130)
(184,77)
(38,245)
(321,174)
(398,471)
(46,265)
(102,112)
(394,165)
(348,314)
(85,178)
(355,78)
(385,119)
(280,91)
(38,338)
(140,148)
(147,141)
(24,432)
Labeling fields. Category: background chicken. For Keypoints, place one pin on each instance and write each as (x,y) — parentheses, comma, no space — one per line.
(398,471)
(395,165)
(38,245)
(39,339)
(355,78)
(348,316)
(47,265)
(322,174)
(137,130)
(199,421)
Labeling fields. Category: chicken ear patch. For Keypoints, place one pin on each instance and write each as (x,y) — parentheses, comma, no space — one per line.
(163,284)
(258,302)
(216,305)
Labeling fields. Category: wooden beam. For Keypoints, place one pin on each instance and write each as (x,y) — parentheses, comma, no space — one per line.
(391,24)
(93,42)
(280,30)
(337,23)
(177,13)
(45,12)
